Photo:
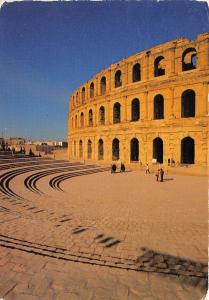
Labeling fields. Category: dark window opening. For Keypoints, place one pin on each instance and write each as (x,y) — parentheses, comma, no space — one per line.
(83,94)
(102,115)
(89,149)
(92,90)
(187,151)
(159,68)
(134,149)
(189,59)
(116,113)
(158,150)
(90,117)
(103,85)
(80,149)
(115,149)
(136,75)
(135,110)
(188,104)
(158,107)
(118,80)
(74,148)
(82,119)
(100,149)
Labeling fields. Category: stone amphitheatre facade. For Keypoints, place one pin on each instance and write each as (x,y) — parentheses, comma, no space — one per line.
(150,107)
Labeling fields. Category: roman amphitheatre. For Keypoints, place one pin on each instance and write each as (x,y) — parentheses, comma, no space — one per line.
(72,230)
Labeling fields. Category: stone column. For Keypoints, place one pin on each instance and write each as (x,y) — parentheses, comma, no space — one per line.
(146,105)
(205,110)
(172,60)
(171,106)
(107,114)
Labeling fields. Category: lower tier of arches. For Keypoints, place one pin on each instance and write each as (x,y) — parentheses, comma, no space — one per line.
(168,148)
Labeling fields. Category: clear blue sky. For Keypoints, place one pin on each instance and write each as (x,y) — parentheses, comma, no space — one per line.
(48,49)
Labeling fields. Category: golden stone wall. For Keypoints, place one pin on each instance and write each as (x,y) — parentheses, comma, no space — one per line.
(184,66)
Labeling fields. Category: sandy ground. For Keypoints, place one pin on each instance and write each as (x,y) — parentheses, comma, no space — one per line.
(103,236)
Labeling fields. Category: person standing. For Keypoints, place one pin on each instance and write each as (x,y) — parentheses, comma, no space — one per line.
(161,174)
(147,169)
(157,174)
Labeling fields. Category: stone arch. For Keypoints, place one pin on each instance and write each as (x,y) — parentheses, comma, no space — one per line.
(72,122)
(100,149)
(74,149)
(80,149)
(188,104)
(102,115)
(116,113)
(82,119)
(136,72)
(189,59)
(118,79)
(158,107)
(90,117)
(92,90)
(134,150)
(103,85)
(159,67)
(187,150)
(158,149)
(89,149)
(135,110)
(115,149)
(77,100)
(76,121)
(83,94)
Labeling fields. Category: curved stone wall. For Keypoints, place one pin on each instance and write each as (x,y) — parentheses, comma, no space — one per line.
(149,107)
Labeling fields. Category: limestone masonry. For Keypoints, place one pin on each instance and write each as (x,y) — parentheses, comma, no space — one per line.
(150,107)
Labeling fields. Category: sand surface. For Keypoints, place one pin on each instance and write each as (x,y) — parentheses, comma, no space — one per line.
(102,236)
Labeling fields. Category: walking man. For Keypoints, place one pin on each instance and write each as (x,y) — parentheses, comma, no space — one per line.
(147,169)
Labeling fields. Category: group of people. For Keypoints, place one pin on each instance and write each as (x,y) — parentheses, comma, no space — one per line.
(114,168)
(159,174)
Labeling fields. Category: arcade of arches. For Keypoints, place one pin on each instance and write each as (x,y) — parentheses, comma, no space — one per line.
(150,107)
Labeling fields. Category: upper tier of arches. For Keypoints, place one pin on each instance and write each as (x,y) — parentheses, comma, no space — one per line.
(180,56)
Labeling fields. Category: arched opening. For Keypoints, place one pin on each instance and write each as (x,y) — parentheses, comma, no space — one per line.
(82,120)
(89,149)
(188,104)
(83,94)
(102,115)
(158,150)
(189,59)
(136,73)
(80,149)
(116,113)
(74,148)
(158,107)
(76,121)
(115,149)
(159,67)
(100,149)
(134,145)
(90,117)
(118,79)
(103,85)
(92,90)
(77,100)
(135,110)
(187,150)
